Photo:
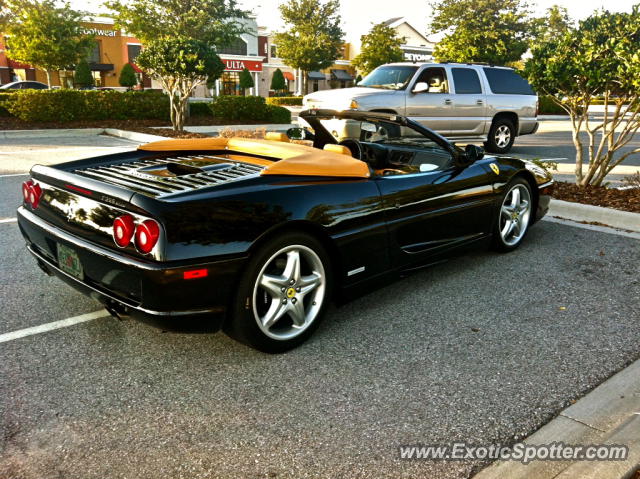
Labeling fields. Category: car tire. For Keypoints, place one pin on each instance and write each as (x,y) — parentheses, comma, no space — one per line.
(283,294)
(502,134)
(513,216)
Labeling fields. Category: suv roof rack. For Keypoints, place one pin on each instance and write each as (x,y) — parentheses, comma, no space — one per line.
(476,63)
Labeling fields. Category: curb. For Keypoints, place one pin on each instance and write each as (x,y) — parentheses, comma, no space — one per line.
(132,135)
(607,415)
(50,133)
(578,212)
(570,168)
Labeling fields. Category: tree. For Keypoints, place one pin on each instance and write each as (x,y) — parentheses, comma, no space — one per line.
(358,79)
(481,30)
(278,83)
(128,76)
(599,58)
(180,66)
(313,39)
(45,35)
(83,76)
(245,80)
(555,24)
(381,45)
(215,22)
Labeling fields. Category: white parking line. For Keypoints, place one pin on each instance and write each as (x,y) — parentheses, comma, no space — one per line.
(14,174)
(43,328)
(8,220)
(74,148)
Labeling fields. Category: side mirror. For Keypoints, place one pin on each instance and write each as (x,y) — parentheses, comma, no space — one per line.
(421,87)
(473,153)
(299,134)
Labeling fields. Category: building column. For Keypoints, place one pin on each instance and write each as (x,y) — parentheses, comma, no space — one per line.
(218,87)
(255,82)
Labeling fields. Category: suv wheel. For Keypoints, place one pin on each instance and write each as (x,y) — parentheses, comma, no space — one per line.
(501,136)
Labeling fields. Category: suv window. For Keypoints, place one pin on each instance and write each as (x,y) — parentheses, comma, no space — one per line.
(502,80)
(436,78)
(466,80)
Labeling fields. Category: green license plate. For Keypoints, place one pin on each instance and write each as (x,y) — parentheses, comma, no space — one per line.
(69,262)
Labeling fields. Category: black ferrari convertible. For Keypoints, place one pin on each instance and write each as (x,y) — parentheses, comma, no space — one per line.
(256,236)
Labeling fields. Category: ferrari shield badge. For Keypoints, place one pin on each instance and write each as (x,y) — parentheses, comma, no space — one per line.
(495,168)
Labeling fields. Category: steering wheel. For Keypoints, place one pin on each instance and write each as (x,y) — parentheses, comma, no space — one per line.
(354,147)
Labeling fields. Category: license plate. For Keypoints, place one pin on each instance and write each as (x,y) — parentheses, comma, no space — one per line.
(69,262)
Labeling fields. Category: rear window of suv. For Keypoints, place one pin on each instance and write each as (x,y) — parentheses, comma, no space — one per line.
(502,80)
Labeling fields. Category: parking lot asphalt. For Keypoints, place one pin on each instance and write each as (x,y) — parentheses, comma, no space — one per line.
(485,348)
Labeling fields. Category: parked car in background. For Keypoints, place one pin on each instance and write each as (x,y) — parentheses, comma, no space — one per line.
(24,85)
(458,100)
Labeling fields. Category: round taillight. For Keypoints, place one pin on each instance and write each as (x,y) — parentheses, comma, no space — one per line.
(34,195)
(147,234)
(123,229)
(26,190)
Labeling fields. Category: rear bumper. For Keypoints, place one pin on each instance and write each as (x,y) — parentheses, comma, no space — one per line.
(153,292)
(528,126)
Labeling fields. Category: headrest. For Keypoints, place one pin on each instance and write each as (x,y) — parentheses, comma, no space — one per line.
(276,136)
(343,150)
(434,81)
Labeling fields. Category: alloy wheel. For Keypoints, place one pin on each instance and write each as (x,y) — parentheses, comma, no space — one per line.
(289,292)
(514,214)
(503,136)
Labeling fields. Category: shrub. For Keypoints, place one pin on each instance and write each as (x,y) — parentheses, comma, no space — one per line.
(5,98)
(128,76)
(199,108)
(70,105)
(278,114)
(248,108)
(285,100)
(83,77)
(548,107)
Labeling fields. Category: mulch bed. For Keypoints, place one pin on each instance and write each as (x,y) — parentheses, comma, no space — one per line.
(627,200)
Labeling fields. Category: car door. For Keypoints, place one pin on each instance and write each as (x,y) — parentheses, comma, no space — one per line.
(469,103)
(432,211)
(433,107)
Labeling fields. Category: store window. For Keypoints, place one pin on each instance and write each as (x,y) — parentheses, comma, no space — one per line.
(133,51)
(97,78)
(230,83)
(316,85)
(238,47)
(94,54)
(274,51)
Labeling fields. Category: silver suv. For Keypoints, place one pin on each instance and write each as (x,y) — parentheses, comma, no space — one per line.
(458,100)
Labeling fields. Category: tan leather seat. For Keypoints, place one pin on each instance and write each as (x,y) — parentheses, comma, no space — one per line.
(276,136)
(343,150)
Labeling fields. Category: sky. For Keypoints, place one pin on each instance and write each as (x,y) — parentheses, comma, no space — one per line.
(358,15)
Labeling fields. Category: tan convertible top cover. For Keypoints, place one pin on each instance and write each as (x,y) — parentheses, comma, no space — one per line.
(292,159)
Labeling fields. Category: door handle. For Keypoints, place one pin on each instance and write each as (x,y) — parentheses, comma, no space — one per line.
(447,101)
(479,102)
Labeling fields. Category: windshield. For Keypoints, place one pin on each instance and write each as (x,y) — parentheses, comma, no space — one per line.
(389,77)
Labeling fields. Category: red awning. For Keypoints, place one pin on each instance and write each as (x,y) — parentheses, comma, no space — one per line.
(136,68)
(288,76)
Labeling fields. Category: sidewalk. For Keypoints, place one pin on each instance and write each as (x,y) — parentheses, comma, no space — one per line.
(610,414)
(214,130)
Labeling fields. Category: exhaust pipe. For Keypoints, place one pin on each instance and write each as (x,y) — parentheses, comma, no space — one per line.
(117,310)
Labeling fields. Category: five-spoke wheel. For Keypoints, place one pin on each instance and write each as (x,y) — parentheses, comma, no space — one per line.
(514,215)
(283,293)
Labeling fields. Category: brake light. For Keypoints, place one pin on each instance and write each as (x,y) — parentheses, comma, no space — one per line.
(147,234)
(123,230)
(195,273)
(31,192)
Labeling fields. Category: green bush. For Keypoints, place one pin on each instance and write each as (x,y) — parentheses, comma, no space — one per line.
(285,100)
(278,114)
(546,106)
(5,98)
(199,108)
(71,105)
(248,108)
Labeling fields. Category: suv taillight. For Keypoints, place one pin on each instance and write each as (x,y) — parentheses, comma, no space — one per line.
(31,192)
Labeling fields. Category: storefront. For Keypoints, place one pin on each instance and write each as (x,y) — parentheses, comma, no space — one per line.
(229,82)
(112,50)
